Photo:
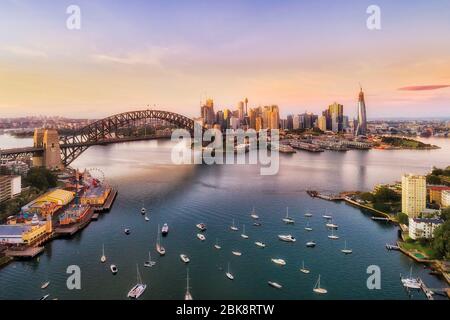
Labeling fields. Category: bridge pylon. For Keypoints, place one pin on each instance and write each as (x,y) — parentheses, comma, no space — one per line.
(50,158)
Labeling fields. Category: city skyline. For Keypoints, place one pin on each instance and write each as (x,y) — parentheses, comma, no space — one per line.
(299,56)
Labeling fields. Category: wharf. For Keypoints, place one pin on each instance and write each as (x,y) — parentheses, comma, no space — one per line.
(74,228)
(108,203)
(27,253)
(328,197)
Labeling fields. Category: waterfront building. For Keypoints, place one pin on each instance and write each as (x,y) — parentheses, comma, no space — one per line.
(414,194)
(10,186)
(435,193)
(25,233)
(361,129)
(423,228)
(445,198)
(74,214)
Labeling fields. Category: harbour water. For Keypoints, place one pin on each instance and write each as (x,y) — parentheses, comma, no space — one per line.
(183,196)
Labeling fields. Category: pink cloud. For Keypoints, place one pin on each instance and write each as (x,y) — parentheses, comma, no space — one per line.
(423,88)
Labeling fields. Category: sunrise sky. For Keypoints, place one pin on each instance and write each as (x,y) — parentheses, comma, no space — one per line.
(301,55)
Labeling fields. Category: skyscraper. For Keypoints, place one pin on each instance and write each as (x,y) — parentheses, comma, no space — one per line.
(336,112)
(361,129)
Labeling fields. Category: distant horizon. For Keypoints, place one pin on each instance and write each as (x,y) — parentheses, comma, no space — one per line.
(299,55)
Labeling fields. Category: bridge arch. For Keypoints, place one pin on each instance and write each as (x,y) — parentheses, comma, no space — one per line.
(103,130)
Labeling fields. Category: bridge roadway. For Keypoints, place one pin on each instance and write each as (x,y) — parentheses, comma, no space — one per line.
(16,152)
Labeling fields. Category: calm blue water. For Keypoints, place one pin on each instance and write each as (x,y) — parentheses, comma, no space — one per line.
(183,196)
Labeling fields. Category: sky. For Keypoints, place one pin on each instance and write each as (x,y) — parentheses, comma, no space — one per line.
(171,55)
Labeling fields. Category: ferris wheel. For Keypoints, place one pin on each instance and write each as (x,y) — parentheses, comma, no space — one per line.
(97,174)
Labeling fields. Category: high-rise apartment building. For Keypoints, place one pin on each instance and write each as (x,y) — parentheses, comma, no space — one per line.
(414,194)
(361,129)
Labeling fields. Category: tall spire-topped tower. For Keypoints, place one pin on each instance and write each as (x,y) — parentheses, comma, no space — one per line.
(361,129)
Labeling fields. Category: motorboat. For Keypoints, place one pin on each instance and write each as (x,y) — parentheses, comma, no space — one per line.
(201,237)
(279,262)
(45,285)
(127,231)
(286,238)
(237,253)
(228,273)
(275,284)
(217,246)
(165,229)
(201,226)
(184,258)
(113,269)
(260,244)
(103,257)
(310,244)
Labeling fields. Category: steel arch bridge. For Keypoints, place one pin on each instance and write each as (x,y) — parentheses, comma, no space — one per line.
(103,131)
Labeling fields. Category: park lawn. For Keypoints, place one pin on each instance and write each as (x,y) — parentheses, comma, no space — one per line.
(416,246)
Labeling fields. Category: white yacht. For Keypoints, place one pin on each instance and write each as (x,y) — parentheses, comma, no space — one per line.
(237,253)
(275,284)
(159,248)
(103,257)
(149,263)
(303,269)
(327,216)
(260,244)
(228,273)
(201,237)
(279,262)
(286,238)
(143,210)
(308,228)
(184,258)
(332,236)
(310,244)
(187,295)
(411,283)
(147,219)
(233,227)
(308,214)
(113,269)
(243,235)
(45,285)
(318,289)
(330,224)
(346,250)
(139,288)
(253,214)
(217,246)
(201,226)
(288,220)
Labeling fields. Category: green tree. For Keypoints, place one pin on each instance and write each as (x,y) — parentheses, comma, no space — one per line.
(385,194)
(432,179)
(367,196)
(441,241)
(40,178)
(402,218)
(445,214)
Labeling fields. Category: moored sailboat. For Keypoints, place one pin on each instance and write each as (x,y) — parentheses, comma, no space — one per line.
(139,288)
(318,289)
(187,295)
(288,220)
(159,248)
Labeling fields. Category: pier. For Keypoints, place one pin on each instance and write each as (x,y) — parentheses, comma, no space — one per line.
(26,253)
(108,203)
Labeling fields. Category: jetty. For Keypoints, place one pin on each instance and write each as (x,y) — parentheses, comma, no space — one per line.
(323,196)
(24,253)
(106,207)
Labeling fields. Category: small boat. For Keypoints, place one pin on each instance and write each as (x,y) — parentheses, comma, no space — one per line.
(310,244)
(127,231)
(103,257)
(257,224)
(147,219)
(308,228)
(217,245)
(237,253)
(279,262)
(243,235)
(114,269)
(149,263)
(44,297)
(275,284)
(303,269)
(308,214)
(201,226)
(159,248)
(260,244)
(165,229)
(327,216)
(286,238)
(187,295)
(45,285)
(139,288)
(331,225)
(228,273)
(184,258)
(233,227)
(253,214)
(332,236)
(143,210)
(288,220)
(345,250)
(318,289)
(201,237)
